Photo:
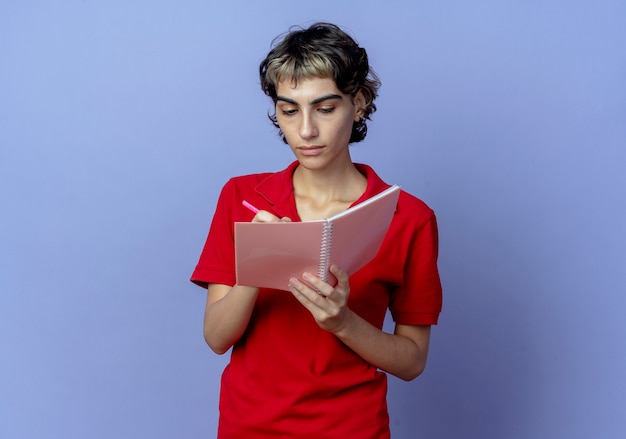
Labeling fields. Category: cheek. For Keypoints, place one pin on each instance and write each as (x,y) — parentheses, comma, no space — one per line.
(288,132)
(283,125)
(346,125)
(286,128)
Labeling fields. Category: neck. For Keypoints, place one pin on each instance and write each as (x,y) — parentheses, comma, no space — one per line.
(322,192)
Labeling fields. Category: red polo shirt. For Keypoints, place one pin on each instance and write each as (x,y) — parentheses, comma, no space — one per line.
(286,376)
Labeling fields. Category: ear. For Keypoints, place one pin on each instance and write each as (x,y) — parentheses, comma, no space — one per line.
(360,103)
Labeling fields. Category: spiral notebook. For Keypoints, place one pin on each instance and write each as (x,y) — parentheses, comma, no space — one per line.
(269,254)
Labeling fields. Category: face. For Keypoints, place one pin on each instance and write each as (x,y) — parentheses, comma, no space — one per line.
(316,119)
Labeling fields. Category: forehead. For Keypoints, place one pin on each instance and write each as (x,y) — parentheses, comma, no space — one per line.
(309,87)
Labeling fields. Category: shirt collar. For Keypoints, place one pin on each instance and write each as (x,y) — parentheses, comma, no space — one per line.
(277,189)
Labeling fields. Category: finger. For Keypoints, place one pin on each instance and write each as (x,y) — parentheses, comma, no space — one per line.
(306,295)
(319,286)
(306,292)
(327,312)
(343,280)
(263,216)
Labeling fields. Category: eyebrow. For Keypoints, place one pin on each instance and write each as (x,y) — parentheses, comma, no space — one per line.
(314,101)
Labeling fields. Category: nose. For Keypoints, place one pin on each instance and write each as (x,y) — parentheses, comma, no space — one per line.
(308,127)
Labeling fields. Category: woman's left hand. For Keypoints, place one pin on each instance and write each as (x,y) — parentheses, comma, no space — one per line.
(402,353)
(328,305)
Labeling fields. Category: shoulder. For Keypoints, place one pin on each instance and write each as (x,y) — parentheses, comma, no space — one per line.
(248,179)
(244,184)
(264,182)
(264,190)
(413,210)
(234,191)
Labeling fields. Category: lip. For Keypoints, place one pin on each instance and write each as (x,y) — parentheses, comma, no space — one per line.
(310,150)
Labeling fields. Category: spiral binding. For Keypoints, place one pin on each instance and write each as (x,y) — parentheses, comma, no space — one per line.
(325,249)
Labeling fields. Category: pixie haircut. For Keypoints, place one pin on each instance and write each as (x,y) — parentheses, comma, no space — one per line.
(323,51)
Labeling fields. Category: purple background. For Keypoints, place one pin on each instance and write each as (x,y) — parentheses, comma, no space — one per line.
(120,121)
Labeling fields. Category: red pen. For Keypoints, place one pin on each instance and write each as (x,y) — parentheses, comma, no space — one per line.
(250,206)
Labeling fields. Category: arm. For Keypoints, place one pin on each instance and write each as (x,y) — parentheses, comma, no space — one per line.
(227,313)
(402,354)
(228,309)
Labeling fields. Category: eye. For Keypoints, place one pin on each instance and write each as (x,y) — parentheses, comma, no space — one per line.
(288,111)
(326,110)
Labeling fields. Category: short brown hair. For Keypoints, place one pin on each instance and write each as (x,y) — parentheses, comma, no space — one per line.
(322,50)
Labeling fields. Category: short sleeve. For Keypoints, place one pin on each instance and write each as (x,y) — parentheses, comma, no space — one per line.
(217,260)
(418,299)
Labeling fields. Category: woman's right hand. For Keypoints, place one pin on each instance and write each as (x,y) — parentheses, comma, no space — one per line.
(228,309)
(263,216)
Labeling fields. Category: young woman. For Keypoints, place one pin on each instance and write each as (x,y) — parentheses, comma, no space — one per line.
(312,362)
